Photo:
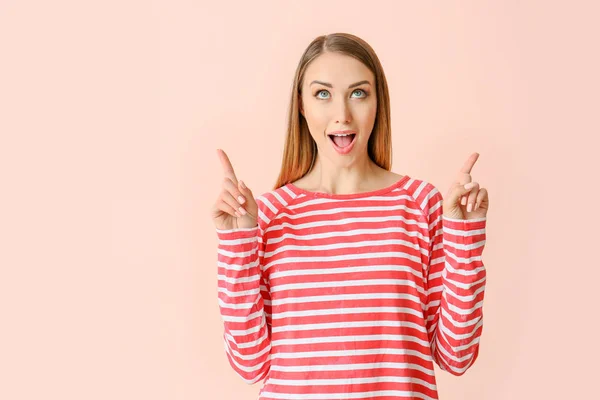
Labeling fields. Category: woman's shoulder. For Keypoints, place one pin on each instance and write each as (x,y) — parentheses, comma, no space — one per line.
(393,177)
(419,188)
(273,201)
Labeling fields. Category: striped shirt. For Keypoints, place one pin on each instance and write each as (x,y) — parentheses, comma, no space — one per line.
(351,296)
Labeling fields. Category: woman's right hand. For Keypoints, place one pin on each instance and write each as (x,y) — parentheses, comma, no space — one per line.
(226,211)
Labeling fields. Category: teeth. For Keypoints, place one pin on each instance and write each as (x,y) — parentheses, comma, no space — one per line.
(342,134)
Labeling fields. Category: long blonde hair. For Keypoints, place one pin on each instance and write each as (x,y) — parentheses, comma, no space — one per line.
(300,149)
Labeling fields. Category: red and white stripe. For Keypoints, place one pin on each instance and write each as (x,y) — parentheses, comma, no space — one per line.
(352,297)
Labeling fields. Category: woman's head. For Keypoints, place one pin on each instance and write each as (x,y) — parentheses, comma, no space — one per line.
(330,94)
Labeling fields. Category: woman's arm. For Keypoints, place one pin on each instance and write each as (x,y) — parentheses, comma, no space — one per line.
(455,284)
(247,330)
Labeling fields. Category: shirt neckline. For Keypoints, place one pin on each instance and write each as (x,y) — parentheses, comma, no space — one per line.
(359,195)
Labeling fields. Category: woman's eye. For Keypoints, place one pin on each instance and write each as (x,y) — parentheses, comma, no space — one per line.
(325,91)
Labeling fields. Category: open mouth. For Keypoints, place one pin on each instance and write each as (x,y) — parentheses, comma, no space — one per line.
(342,141)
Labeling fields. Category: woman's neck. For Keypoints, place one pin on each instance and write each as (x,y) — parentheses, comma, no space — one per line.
(359,177)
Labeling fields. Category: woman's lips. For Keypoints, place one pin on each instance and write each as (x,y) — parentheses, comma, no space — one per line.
(345,149)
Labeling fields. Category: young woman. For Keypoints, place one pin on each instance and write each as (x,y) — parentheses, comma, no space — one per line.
(348,280)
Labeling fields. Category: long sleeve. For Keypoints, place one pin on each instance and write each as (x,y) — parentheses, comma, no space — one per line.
(242,296)
(455,284)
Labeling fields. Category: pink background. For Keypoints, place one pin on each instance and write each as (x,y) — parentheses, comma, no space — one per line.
(110,116)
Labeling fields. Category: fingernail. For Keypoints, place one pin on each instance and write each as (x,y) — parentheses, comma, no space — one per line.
(476,205)
(237,215)
(469,185)
(469,207)
(463,201)
(241,199)
(242,211)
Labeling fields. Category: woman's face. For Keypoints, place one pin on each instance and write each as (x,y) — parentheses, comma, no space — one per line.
(338,94)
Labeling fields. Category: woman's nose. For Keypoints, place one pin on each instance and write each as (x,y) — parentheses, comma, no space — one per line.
(344,114)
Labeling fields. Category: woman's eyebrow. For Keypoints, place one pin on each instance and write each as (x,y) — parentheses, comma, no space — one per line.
(349,87)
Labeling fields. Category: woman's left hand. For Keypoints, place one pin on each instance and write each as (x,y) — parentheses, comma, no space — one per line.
(466,199)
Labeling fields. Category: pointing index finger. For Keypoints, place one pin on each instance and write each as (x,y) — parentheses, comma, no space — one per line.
(468,165)
(227,167)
